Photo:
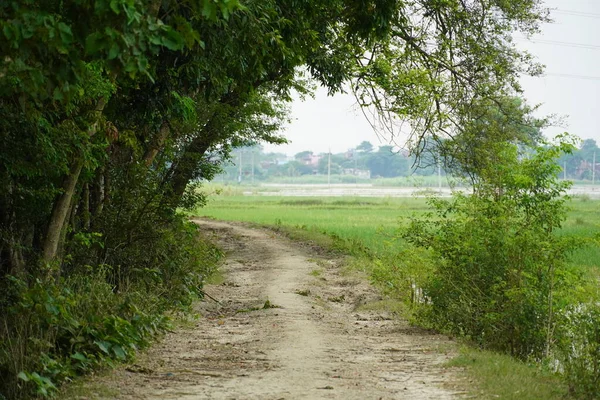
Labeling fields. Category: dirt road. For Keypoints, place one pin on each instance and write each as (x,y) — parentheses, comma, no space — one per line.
(290,325)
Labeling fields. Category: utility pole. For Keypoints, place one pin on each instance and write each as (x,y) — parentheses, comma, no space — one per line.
(329,168)
(240,169)
(355,167)
(253,167)
(440,177)
(594,170)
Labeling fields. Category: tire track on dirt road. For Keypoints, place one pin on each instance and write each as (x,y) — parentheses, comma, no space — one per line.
(289,326)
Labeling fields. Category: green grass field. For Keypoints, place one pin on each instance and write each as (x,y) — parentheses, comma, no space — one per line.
(368,220)
(371,221)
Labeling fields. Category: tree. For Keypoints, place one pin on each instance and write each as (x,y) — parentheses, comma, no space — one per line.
(433,66)
(199,78)
(472,151)
(301,156)
(330,164)
(387,163)
(364,147)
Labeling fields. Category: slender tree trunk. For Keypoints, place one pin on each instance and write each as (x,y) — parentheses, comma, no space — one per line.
(186,168)
(63,203)
(70,222)
(60,212)
(98,193)
(86,212)
(107,183)
(15,253)
(157,144)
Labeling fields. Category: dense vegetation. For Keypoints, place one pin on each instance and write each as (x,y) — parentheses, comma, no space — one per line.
(109,109)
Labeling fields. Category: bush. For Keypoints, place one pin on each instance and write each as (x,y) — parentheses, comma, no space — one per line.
(501,272)
(55,329)
(579,349)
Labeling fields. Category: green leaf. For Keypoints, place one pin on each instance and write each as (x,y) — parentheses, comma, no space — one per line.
(52,309)
(119,352)
(142,64)
(66,35)
(172,39)
(23,376)
(58,94)
(209,9)
(94,43)
(114,51)
(155,39)
(103,345)
(114,5)
(79,357)
(7,31)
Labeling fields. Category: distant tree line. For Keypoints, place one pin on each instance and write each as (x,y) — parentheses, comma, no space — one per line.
(385,162)
(362,161)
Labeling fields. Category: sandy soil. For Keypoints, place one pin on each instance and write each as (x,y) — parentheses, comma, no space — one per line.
(290,325)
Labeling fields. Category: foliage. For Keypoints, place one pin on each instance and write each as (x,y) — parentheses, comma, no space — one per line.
(501,271)
(474,152)
(579,349)
(53,331)
(388,163)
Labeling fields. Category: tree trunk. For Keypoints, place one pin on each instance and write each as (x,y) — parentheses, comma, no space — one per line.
(60,212)
(63,203)
(157,144)
(86,212)
(71,221)
(98,193)
(185,169)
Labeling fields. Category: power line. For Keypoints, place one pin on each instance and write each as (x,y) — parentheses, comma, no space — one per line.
(576,13)
(573,76)
(564,44)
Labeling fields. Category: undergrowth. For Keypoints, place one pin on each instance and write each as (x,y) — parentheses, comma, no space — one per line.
(55,329)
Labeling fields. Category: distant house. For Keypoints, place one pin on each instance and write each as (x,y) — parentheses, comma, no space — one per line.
(360,173)
(311,160)
(584,170)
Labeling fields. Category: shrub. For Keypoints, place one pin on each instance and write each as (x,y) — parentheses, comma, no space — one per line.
(501,272)
(55,329)
(578,349)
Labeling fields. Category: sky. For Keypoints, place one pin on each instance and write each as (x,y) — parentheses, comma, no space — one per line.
(569,47)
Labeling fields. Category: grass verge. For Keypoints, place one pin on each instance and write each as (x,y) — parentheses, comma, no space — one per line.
(497,376)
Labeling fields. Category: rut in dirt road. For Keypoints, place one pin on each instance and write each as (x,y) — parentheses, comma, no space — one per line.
(289,325)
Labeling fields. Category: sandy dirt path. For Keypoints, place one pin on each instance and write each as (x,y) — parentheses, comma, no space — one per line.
(290,325)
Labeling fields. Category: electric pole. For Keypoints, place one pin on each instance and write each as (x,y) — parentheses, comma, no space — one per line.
(329,168)
(440,177)
(253,166)
(240,169)
(594,170)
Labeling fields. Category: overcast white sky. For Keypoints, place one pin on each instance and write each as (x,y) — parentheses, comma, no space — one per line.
(569,47)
